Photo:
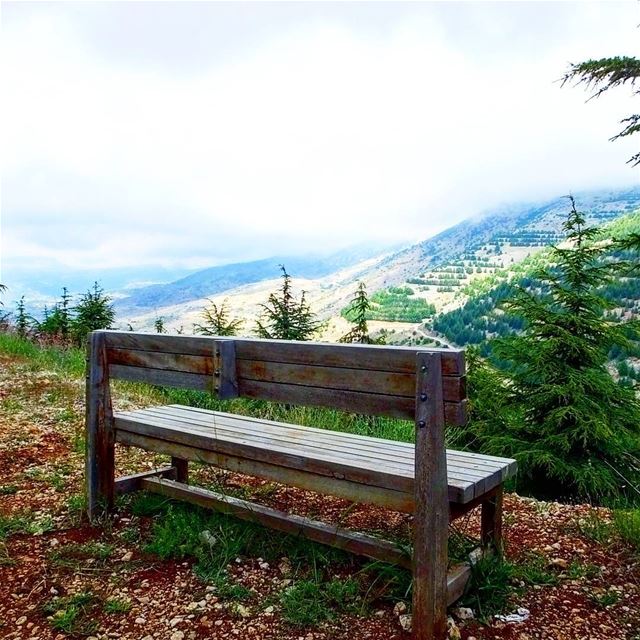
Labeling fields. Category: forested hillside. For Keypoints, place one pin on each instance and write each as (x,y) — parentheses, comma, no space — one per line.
(482,317)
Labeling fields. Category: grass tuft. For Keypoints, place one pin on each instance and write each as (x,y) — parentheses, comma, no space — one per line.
(117,605)
(72,614)
(310,602)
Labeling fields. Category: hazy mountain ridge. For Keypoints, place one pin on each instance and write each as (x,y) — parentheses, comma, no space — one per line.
(330,282)
(215,280)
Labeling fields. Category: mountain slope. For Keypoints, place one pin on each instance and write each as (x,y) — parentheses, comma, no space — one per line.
(215,280)
(480,318)
(437,269)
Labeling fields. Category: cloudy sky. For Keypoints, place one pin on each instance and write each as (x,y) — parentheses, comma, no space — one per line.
(189,134)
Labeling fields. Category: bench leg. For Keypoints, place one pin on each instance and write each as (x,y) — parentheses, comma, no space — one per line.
(431,517)
(182,469)
(100,448)
(491,521)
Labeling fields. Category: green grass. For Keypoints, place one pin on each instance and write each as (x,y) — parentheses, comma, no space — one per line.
(75,555)
(494,580)
(117,605)
(25,523)
(8,489)
(309,602)
(72,614)
(606,599)
(66,360)
(626,524)
(214,540)
(595,528)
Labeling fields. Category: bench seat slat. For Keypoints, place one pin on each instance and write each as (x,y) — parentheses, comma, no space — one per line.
(352,458)
(507,465)
(402,456)
(403,468)
(302,478)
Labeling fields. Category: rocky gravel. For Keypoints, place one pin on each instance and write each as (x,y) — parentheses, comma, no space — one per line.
(122,592)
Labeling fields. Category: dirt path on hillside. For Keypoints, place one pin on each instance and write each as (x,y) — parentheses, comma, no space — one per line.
(61,577)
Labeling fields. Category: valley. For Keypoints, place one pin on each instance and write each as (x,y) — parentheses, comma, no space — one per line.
(412,290)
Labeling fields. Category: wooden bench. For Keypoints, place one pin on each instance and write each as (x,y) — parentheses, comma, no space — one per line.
(424,386)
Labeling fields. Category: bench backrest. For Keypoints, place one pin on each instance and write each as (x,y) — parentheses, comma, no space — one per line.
(367,379)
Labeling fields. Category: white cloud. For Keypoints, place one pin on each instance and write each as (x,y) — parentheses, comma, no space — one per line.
(343,125)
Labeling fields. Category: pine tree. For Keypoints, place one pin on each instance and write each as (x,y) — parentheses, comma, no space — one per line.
(286,318)
(573,430)
(23,321)
(65,314)
(217,321)
(356,312)
(605,74)
(57,321)
(158,325)
(4,317)
(93,312)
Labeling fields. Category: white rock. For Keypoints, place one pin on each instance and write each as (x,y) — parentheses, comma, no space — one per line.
(284,566)
(399,608)
(175,621)
(405,621)
(453,633)
(140,620)
(21,620)
(177,635)
(127,557)
(463,613)
(241,610)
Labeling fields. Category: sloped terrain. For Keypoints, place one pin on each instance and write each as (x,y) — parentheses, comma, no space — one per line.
(63,578)
(436,270)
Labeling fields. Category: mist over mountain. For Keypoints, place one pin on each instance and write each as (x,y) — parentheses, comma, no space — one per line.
(214,280)
(520,229)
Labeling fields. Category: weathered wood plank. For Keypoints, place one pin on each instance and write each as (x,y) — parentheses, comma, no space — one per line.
(291,524)
(308,441)
(226,369)
(163,377)
(457,579)
(355,492)
(128,484)
(491,520)
(431,518)
(375,357)
(283,456)
(506,466)
(181,467)
(352,401)
(203,365)
(351,541)
(349,379)
(387,383)
(330,462)
(99,458)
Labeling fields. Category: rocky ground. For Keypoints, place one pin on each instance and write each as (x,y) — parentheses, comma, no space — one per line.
(61,577)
